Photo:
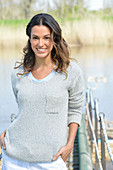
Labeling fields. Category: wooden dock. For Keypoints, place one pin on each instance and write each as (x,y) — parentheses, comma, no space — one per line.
(73,162)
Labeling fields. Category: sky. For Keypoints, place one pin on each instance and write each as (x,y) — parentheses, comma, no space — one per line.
(90,4)
(94,4)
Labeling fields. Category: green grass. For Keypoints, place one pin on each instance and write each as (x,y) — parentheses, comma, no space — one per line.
(24,22)
(19,23)
(13,23)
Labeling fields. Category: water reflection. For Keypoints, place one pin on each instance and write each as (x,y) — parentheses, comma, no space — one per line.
(7,100)
(98,61)
(94,61)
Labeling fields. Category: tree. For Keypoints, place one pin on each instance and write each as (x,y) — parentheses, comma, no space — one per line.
(27,7)
(80,4)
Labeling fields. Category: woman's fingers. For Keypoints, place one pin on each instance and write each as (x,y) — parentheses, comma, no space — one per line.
(65,156)
(4,140)
(63,152)
(2,143)
(57,155)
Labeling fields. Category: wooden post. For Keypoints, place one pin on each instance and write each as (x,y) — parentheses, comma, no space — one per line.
(103,158)
(89,129)
(96,134)
(91,135)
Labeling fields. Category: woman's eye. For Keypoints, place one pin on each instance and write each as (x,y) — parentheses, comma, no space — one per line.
(47,38)
(35,38)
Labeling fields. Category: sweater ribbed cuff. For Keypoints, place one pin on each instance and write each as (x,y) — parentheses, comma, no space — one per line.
(74,119)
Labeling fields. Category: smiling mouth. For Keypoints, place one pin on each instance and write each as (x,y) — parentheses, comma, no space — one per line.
(40,49)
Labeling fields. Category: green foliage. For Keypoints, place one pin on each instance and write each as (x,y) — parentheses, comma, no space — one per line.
(76,8)
(68,19)
(108,18)
(107,11)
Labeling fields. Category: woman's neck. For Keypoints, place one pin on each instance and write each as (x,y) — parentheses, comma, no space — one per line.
(42,68)
(42,63)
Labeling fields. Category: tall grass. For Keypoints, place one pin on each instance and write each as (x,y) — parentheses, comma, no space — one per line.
(76,32)
(11,37)
(12,33)
(13,23)
(89,32)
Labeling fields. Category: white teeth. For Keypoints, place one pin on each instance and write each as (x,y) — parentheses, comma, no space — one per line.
(41,49)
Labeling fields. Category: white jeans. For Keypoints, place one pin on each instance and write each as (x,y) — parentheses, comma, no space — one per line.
(9,163)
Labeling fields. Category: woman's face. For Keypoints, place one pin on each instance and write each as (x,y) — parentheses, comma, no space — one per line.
(41,41)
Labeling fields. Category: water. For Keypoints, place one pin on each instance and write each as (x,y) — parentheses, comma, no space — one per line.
(98,62)
(94,61)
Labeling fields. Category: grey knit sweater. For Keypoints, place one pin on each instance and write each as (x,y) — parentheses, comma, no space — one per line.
(45,109)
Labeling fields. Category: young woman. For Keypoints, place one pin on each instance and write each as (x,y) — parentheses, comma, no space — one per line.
(48,88)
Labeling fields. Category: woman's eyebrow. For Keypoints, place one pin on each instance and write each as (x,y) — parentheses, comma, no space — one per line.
(47,35)
(34,35)
(38,36)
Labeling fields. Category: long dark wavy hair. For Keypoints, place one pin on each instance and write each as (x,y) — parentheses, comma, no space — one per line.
(60,51)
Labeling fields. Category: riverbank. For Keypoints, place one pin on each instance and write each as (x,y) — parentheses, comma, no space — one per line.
(84,32)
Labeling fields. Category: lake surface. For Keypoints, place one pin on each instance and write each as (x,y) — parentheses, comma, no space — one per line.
(94,61)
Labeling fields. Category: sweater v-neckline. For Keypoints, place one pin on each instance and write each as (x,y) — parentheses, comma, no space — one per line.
(31,77)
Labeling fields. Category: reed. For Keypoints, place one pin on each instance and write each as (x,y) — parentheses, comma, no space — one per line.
(89,32)
(76,32)
(12,37)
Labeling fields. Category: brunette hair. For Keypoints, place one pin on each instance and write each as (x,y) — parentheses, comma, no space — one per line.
(60,51)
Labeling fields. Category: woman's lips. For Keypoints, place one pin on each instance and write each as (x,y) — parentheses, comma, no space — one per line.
(41,50)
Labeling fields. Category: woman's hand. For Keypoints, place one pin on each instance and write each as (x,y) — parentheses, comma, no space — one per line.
(2,143)
(64,152)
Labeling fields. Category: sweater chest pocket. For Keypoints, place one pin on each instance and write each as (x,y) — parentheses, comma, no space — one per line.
(54,104)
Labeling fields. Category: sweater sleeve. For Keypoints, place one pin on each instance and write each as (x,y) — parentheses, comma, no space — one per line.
(13,82)
(76,98)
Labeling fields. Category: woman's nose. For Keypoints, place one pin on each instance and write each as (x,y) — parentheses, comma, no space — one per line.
(41,43)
